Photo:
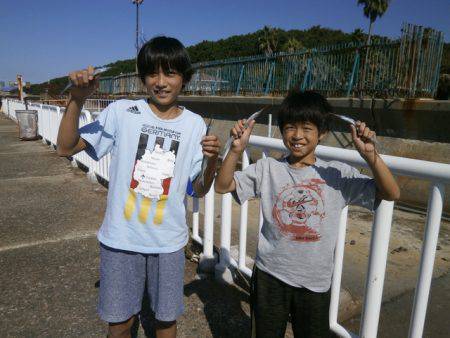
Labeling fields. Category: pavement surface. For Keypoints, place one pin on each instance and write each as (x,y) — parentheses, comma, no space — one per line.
(49,215)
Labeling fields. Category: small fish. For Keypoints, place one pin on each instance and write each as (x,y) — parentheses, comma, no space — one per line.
(97,72)
(353,122)
(252,117)
(345,118)
(205,160)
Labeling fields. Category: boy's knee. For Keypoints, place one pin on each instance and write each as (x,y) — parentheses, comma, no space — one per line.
(122,329)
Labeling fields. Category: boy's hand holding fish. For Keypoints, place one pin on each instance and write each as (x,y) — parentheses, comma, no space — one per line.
(356,124)
(210,147)
(82,83)
(363,138)
(240,134)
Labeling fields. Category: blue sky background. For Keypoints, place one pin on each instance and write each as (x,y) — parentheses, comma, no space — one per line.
(46,39)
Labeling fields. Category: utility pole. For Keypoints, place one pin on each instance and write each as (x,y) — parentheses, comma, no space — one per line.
(137,3)
(20,86)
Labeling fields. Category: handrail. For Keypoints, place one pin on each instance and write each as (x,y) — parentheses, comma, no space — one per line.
(427,170)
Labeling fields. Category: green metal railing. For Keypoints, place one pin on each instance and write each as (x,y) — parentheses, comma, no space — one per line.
(407,67)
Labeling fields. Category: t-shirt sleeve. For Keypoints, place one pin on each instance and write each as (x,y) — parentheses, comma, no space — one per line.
(358,189)
(101,133)
(196,164)
(248,182)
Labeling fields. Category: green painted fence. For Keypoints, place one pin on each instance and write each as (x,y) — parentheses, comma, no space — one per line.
(406,67)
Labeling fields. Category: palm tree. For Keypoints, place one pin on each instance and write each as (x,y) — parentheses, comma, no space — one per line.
(373,9)
(292,45)
(269,41)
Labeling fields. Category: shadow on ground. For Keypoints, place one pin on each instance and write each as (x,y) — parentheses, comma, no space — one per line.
(223,307)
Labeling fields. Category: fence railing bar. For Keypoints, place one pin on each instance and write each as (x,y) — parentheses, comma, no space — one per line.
(434,214)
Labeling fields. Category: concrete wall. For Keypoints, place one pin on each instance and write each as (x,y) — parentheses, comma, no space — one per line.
(418,129)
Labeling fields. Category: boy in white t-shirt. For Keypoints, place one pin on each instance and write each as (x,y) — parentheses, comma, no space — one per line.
(156,148)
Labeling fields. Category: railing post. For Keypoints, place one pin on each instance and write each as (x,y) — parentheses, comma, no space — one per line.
(418,60)
(269,125)
(353,75)
(90,163)
(57,118)
(306,80)
(241,75)
(243,222)
(437,61)
(379,245)
(207,260)
(43,124)
(214,85)
(337,274)
(195,220)
(435,204)
(222,270)
(269,78)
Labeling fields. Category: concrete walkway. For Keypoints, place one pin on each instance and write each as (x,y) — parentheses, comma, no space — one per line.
(49,215)
(50,212)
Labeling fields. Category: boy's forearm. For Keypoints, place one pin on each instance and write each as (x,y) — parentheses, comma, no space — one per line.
(225,178)
(68,135)
(388,188)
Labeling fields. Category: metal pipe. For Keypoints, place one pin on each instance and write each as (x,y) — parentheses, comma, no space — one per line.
(342,332)
(379,245)
(243,221)
(238,88)
(225,231)
(435,204)
(208,233)
(352,76)
(338,263)
(245,270)
(269,125)
(399,165)
(195,217)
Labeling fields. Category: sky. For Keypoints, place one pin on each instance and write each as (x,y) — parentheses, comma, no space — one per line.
(46,39)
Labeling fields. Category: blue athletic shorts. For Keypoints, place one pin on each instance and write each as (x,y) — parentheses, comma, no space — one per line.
(123,275)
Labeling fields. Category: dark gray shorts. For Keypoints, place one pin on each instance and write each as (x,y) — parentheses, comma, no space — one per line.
(123,275)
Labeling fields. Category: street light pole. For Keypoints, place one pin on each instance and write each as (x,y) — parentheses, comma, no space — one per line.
(137,3)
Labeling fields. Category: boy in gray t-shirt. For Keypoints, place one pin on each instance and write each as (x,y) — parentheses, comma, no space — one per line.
(302,198)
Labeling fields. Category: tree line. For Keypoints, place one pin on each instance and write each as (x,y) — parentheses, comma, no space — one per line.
(267,40)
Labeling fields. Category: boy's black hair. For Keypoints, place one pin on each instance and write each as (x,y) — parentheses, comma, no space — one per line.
(167,53)
(307,106)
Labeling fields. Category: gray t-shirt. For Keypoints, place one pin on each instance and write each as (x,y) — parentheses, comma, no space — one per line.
(301,209)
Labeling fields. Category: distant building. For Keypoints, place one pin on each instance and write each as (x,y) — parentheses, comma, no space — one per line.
(2,84)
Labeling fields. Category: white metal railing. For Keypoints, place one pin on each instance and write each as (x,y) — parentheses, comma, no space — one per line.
(9,107)
(49,118)
(96,104)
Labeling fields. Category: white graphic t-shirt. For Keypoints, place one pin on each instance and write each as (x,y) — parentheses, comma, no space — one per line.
(301,208)
(152,161)
(152,169)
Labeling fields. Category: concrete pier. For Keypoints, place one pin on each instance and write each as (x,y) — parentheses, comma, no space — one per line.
(50,213)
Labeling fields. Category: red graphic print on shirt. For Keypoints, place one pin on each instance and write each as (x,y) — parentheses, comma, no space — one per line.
(299,210)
